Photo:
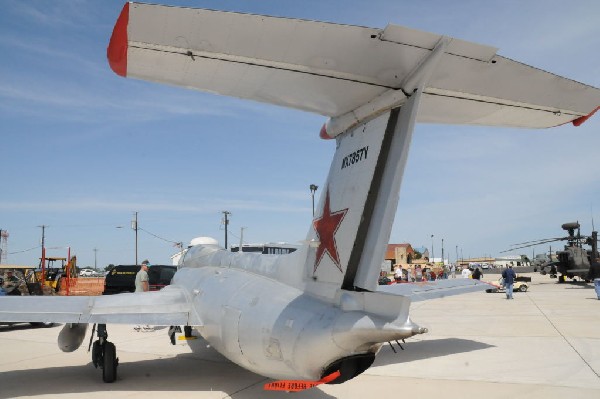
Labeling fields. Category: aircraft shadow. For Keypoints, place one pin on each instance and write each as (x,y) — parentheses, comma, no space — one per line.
(22,326)
(426,349)
(580,285)
(203,370)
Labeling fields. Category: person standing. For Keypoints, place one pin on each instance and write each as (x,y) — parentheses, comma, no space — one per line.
(477,274)
(397,274)
(141,278)
(142,284)
(453,271)
(509,277)
(466,272)
(11,284)
(418,274)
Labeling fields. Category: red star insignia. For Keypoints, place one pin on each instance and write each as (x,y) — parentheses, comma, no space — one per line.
(326,226)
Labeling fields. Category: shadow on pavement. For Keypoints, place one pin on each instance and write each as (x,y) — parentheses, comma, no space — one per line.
(203,373)
(427,349)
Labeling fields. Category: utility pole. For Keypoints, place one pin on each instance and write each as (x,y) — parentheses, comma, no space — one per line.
(226,223)
(1,241)
(43,260)
(457,255)
(134,226)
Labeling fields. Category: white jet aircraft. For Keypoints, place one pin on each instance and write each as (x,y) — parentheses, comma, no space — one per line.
(315,315)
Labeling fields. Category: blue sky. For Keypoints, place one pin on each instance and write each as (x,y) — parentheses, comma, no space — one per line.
(82,148)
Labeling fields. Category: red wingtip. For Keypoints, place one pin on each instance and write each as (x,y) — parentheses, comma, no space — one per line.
(323,134)
(579,121)
(117,47)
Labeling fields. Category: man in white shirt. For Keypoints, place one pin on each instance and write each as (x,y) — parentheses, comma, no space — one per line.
(142,284)
(466,272)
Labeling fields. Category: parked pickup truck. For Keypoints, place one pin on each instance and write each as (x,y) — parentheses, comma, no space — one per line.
(121,278)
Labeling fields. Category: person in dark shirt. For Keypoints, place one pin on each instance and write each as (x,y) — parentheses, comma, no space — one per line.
(509,277)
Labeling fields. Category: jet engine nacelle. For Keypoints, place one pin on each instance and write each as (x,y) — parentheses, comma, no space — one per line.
(71,336)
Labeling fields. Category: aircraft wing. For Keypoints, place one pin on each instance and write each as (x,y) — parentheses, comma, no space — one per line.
(333,69)
(434,289)
(170,306)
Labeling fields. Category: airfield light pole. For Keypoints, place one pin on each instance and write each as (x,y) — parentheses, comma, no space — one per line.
(457,255)
(95,258)
(134,226)
(432,255)
(226,222)
(313,190)
(442,252)
(241,237)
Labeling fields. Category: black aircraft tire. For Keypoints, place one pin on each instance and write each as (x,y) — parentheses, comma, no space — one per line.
(97,354)
(41,324)
(109,371)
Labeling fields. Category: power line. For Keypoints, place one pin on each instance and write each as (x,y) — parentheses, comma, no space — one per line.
(160,238)
(25,250)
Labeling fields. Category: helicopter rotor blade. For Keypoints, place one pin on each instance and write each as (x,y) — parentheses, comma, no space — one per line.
(533,245)
(541,240)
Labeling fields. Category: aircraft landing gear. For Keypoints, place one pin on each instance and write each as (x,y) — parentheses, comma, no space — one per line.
(104,355)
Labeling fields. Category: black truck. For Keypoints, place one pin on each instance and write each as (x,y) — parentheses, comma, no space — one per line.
(121,278)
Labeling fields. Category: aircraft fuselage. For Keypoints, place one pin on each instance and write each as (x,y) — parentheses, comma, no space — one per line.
(280,331)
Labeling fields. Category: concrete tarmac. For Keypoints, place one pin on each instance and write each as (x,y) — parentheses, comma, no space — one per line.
(543,344)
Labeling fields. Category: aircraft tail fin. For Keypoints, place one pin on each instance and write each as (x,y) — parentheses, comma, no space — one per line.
(362,190)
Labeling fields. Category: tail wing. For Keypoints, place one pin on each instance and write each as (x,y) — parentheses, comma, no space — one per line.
(349,73)
(434,289)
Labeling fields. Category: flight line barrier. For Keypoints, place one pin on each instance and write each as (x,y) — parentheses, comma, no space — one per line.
(82,286)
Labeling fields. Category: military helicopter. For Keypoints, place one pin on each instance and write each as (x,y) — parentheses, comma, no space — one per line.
(574,261)
(542,260)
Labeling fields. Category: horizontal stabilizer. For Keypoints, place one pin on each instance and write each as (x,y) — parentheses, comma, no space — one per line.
(164,308)
(434,289)
(334,69)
